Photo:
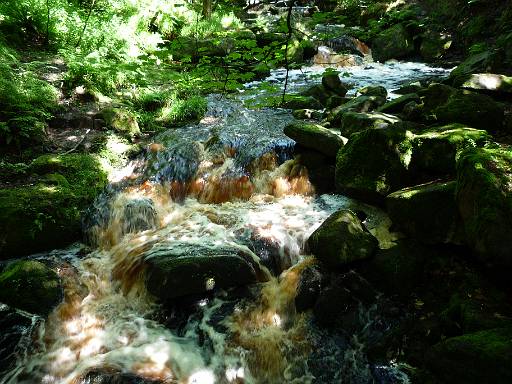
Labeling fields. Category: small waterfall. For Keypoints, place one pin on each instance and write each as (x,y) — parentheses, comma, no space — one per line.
(225,193)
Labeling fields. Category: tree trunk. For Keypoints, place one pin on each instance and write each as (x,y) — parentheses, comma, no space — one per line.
(207,9)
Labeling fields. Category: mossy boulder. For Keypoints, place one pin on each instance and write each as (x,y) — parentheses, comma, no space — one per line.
(481,62)
(315,137)
(436,94)
(399,269)
(436,149)
(434,45)
(31,286)
(484,199)
(481,357)
(361,104)
(374,163)
(318,92)
(489,82)
(342,239)
(331,82)
(393,43)
(301,102)
(475,110)
(121,121)
(398,104)
(307,114)
(181,269)
(373,90)
(425,212)
(47,215)
(353,122)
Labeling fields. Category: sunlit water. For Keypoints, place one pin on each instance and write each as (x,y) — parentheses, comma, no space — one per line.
(228,183)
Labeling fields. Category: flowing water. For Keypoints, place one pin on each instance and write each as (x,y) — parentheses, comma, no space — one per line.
(226,189)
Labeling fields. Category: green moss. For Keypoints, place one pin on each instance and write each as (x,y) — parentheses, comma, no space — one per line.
(481,357)
(31,286)
(315,137)
(47,215)
(121,121)
(393,43)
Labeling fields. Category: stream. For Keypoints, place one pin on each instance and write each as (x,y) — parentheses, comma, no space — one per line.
(212,221)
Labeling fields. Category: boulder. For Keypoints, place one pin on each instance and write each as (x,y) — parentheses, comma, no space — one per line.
(320,168)
(342,239)
(357,104)
(481,357)
(435,149)
(393,43)
(301,102)
(475,110)
(315,137)
(46,215)
(121,121)
(435,95)
(489,82)
(31,286)
(319,92)
(398,270)
(484,200)
(414,87)
(308,288)
(434,45)
(348,44)
(328,56)
(331,82)
(425,212)
(17,332)
(373,90)
(353,122)
(478,63)
(307,114)
(374,163)
(179,269)
(398,104)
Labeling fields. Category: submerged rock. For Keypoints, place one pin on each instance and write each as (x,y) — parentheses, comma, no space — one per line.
(425,212)
(393,43)
(342,239)
(484,199)
(315,137)
(180,269)
(31,286)
(481,357)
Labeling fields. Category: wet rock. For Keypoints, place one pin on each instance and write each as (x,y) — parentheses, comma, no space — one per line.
(481,357)
(307,114)
(318,92)
(434,45)
(484,200)
(301,102)
(315,137)
(360,104)
(414,87)
(375,90)
(425,212)
(479,63)
(121,121)
(374,163)
(435,149)
(328,56)
(345,43)
(309,287)
(110,377)
(180,269)
(399,269)
(320,168)
(16,331)
(435,95)
(398,104)
(393,43)
(331,81)
(475,110)
(139,215)
(336,101)
(31,286)
(489,82)
(333,302)
(342,239)
(353,122)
